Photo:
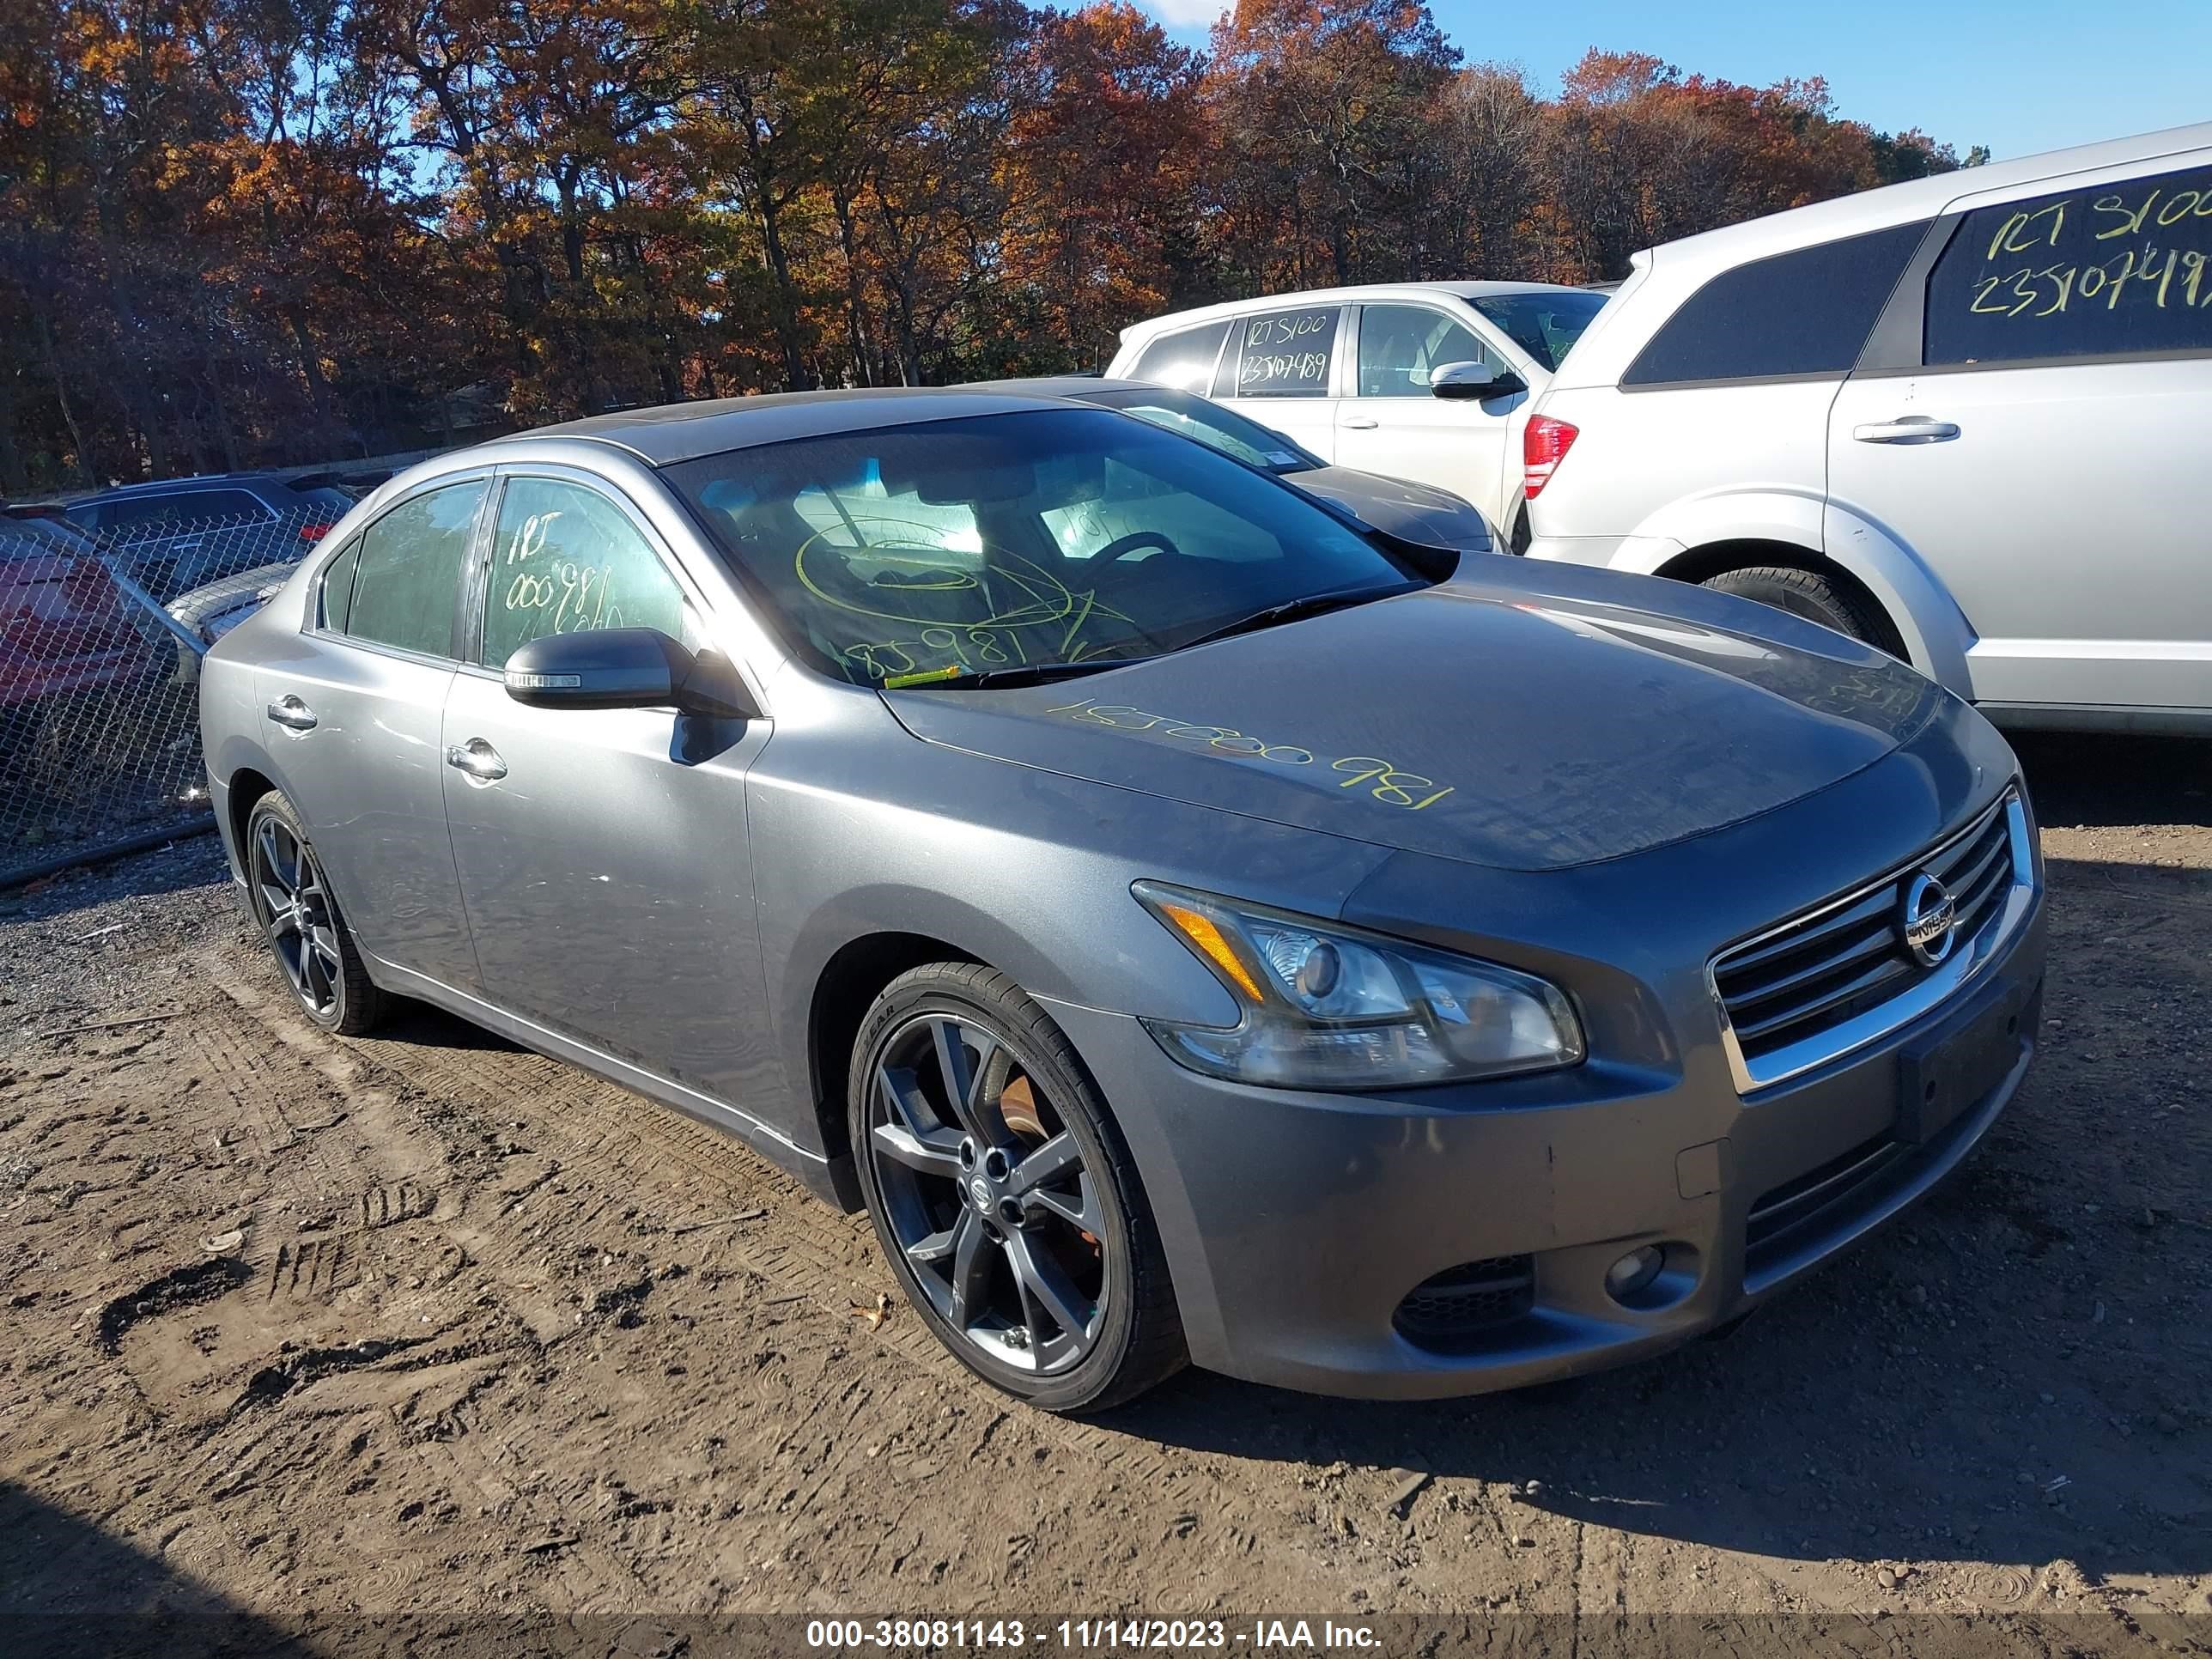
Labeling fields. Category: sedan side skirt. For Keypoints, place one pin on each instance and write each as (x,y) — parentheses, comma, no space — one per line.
(827,1178)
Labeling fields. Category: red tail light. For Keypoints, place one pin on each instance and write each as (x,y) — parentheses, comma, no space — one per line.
(1544,444)
(312,533)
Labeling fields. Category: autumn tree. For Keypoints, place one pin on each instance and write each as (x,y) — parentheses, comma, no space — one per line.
(253,232)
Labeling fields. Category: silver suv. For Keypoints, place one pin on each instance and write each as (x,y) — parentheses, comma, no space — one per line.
(1963,418)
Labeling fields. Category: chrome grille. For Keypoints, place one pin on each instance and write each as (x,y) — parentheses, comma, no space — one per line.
(1818,986)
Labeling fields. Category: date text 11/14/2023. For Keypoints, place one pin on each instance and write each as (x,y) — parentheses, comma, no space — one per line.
(1089,1635)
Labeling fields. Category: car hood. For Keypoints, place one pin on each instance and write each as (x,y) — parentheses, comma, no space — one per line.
(1486,719)
(1412,511)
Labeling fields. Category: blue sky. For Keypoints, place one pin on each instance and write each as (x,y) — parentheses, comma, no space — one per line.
(2019,75)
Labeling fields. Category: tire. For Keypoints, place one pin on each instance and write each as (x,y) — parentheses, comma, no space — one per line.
(316,954)
(986,1226)
(1803,593)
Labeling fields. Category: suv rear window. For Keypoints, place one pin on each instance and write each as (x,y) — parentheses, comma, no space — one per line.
(2112,270)
(1806,312)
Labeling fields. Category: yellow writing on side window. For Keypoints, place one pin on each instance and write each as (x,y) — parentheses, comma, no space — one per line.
(2160,277)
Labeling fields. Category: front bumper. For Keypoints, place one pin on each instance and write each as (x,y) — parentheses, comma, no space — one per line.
(1297,1224)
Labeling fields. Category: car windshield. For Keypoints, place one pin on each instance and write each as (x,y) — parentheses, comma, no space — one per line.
(1546,325)
(1005,540)
(1231,434)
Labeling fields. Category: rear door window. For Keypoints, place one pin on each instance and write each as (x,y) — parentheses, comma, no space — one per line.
(1280,354)
(1183,359)
(407,576)
(1804,313)
(2107,270)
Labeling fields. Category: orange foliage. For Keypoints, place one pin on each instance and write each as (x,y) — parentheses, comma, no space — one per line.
(238,232)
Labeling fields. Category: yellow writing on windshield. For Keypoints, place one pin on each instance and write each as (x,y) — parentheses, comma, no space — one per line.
(950,607)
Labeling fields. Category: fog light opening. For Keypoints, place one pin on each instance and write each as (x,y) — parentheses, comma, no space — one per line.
(1635,1272)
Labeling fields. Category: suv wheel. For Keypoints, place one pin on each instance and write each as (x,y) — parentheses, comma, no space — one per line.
(1802,593)
(1002,1195)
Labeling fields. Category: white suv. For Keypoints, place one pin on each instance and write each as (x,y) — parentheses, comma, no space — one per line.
(1426,381)
(1968,418)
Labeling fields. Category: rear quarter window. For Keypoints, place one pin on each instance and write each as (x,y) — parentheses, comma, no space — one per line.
(2111,269)
(337,588)
(1183,359)
(1804,313)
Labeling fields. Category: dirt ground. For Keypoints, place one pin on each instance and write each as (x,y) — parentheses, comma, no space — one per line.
(424,1343)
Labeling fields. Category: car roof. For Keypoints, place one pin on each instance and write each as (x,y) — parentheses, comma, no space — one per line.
(670,432)
(175,486)
(1065,386)
(1917,198)
(1666,276)
(1344,295)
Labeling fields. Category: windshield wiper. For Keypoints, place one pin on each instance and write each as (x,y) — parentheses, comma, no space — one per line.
(1311,604)
(1028,673)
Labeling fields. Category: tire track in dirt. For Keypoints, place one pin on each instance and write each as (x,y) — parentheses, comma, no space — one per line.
(604,1162)
(639,1146)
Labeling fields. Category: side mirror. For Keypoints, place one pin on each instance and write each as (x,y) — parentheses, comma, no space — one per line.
(1476,382)
(626,668)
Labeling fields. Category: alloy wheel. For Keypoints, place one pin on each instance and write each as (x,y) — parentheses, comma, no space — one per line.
(986,1194)
(297,917)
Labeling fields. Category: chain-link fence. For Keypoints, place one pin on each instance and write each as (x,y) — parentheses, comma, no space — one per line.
(100,642)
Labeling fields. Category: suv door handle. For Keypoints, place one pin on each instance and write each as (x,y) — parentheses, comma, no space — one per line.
(1905,429)
(479,759)
(289,711)
(1362,422)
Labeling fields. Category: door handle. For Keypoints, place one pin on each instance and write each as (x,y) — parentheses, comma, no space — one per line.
(289,711)
(479,759)
(1361,422)
(1907,429)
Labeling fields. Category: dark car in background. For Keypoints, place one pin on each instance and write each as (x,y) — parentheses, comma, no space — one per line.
(179,534)
(1416,513)
(66,629)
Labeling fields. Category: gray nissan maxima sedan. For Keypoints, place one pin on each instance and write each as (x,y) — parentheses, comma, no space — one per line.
(1192,927)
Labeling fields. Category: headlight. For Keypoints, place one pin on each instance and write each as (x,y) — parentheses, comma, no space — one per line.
(1328,1007)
